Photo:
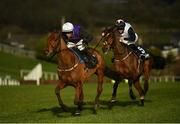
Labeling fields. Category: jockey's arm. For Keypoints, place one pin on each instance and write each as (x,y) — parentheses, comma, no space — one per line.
(86,36)
(132,36)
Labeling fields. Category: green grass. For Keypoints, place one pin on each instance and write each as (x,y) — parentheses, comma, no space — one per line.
(11,65)
(39,104)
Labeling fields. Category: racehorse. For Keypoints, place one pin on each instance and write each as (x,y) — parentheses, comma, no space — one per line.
(73,73)
(126,62)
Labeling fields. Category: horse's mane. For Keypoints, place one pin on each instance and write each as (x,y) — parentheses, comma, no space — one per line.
(109,29)
(54,33)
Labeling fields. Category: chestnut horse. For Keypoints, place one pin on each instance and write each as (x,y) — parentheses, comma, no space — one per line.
(73,73)
(126,62)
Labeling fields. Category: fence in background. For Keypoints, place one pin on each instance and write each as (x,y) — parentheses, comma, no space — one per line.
(17,51)
(8,81)
(164,78)
(51,78)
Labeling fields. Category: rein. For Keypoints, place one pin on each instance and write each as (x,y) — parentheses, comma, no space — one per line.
(124,57)
(98,43)
(117,45)
(58,50)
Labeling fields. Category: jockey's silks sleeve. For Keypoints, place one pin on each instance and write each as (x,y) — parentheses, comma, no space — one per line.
(132,36)
(86,36)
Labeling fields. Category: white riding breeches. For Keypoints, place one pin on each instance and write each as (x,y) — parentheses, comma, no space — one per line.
(79,45)
(128,42)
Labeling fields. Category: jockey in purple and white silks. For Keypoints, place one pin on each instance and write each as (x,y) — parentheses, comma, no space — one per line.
(129,37)
(77,39)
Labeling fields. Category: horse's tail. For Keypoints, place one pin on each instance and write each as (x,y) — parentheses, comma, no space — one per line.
(158,62)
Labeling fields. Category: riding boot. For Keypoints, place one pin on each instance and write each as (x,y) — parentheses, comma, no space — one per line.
(89,60)
(146,55)
(139,51)
(85,55)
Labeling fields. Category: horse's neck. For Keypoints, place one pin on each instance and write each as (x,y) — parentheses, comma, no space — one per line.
(65,57)
(120,50)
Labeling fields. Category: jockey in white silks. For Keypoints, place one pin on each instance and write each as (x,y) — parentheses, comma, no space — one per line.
(129,37)
(77,39)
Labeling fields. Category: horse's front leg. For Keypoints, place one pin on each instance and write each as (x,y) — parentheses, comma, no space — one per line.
(131,93)
(60,86)
(100,75)
(79,98)
(115,86)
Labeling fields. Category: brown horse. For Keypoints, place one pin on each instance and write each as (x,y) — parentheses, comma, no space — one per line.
(126,62)
(73,73)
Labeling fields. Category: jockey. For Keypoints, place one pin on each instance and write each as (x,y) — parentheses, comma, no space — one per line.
(129,37)
(77,39)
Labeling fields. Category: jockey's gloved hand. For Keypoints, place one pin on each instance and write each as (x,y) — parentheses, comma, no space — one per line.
(85,42)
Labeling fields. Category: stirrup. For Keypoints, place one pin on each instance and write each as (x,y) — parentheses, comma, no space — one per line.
(142,57)
(147,56)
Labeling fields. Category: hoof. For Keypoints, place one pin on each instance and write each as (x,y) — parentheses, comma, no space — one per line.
(142,102)
(64,108)
(113,100)
(77,113)
(95,108)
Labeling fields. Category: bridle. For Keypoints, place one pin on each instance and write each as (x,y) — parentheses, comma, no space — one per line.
(107,34)
(57,47)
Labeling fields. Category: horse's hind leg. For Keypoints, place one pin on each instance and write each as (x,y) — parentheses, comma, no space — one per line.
(146,77)
(100,75)
(131,94)
(60,86)
(140,90)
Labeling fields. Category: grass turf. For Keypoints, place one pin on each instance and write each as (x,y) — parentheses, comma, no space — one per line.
(39,104)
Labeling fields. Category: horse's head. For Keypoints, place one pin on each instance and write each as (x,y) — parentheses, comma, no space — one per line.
(108,40)
(53,42)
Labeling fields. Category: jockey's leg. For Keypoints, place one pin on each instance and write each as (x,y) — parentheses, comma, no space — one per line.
(139,51)
(146,55)
(89,59)
(85,54)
